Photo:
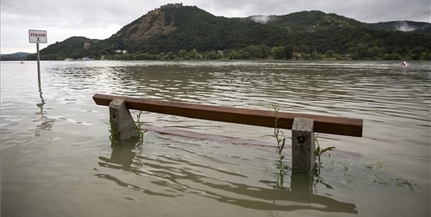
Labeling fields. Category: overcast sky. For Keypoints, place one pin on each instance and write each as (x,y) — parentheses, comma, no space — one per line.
(99,19)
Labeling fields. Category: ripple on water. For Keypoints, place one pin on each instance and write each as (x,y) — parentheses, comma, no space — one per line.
(55,141)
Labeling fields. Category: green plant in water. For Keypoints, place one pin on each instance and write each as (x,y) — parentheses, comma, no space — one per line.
(399,182)
(139,124)
(318,164)
(318,154)
(404,182)
(378,165)
(113,134)
(281,141)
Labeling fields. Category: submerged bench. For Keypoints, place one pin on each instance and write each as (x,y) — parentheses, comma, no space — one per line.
(303,126)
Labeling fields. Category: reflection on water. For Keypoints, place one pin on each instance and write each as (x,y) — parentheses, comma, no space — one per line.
(173,174)
(46,123)
(57,159)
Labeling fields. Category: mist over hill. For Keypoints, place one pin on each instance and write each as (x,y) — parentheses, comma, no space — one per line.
(405,26)
(175,31)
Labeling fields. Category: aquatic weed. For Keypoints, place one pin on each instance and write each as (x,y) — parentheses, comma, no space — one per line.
(399,182)
(139,138)
(318,154)
(139,124)
(113,134)
(281,141)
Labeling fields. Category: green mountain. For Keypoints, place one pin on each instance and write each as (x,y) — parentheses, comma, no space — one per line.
(187,32)
(14,56)
(73,47)
(172,28)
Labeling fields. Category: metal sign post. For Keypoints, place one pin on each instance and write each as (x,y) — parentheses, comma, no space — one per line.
(37,36)
(38,63)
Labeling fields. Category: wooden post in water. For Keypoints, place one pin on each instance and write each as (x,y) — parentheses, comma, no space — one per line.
(303,144)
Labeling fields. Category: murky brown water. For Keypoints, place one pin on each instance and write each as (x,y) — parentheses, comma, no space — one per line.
(57,159)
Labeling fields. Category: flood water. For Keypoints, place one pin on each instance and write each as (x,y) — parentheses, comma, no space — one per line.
(57,158)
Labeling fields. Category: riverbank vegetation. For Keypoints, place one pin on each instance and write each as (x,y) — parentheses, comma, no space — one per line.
(252,52)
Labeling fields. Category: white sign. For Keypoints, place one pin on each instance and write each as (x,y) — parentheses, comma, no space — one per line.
(37,36)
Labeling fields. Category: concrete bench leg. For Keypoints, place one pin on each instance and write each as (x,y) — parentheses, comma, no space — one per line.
(303,144)
(122,123)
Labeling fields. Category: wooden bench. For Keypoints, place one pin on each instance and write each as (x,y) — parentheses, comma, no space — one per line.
(303,125)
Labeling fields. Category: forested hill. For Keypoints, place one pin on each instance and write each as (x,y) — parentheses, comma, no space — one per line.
(176,28)
(187,32)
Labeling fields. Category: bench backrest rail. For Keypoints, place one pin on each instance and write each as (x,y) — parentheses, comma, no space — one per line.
(322,124)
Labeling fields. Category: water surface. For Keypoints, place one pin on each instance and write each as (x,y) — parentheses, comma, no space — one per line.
(57,159)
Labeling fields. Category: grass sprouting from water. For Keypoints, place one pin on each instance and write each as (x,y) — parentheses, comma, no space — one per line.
(280,138)
(318,154)
(113,134)
(281,141)
(139,124)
